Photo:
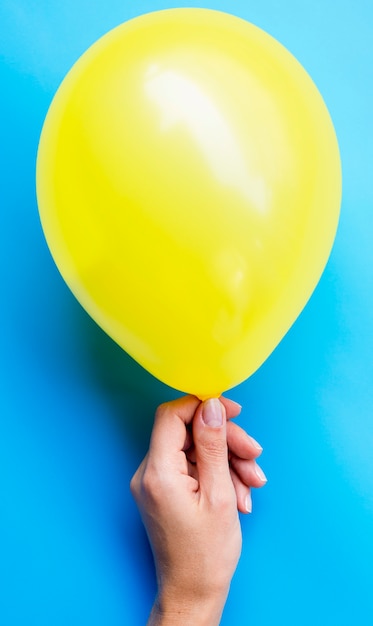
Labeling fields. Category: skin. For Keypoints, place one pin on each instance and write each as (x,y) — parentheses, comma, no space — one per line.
(189,488)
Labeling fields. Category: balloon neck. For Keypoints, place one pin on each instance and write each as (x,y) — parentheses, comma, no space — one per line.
(209,397)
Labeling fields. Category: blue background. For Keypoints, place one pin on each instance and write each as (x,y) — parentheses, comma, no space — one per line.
(76,411)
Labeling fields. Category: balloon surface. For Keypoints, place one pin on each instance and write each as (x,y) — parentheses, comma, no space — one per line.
(189,184)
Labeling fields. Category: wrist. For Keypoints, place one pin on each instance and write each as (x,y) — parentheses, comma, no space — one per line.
(173,610)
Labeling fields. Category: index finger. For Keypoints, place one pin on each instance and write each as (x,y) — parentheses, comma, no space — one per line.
(169,430)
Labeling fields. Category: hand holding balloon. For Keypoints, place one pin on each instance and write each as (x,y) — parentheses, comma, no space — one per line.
(188,182)
(190,508)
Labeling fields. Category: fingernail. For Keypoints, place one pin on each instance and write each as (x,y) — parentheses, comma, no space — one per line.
(248,503)
(260,474)
(256,445)
(236,404)
(212,413)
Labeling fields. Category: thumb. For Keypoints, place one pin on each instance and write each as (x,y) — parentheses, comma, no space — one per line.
(210,440)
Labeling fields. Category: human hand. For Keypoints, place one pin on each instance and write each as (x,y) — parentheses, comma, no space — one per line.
(188,491)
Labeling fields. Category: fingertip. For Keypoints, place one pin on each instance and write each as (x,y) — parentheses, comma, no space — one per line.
(183,407)
(256,446)
(249,472)
(260,474)
(243,493)
(232,408)
(248,503)
(213,413)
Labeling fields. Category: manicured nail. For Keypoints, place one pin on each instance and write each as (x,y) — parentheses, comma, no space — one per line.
(235,404)
(248,503)
(260,474)
(256,445)
(212,413)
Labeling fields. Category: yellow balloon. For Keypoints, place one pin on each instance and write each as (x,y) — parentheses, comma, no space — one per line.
(189,184)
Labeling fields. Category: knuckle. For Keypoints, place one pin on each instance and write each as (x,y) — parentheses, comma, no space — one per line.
(215,448)
(148,483)
(152,484)
(134,485)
